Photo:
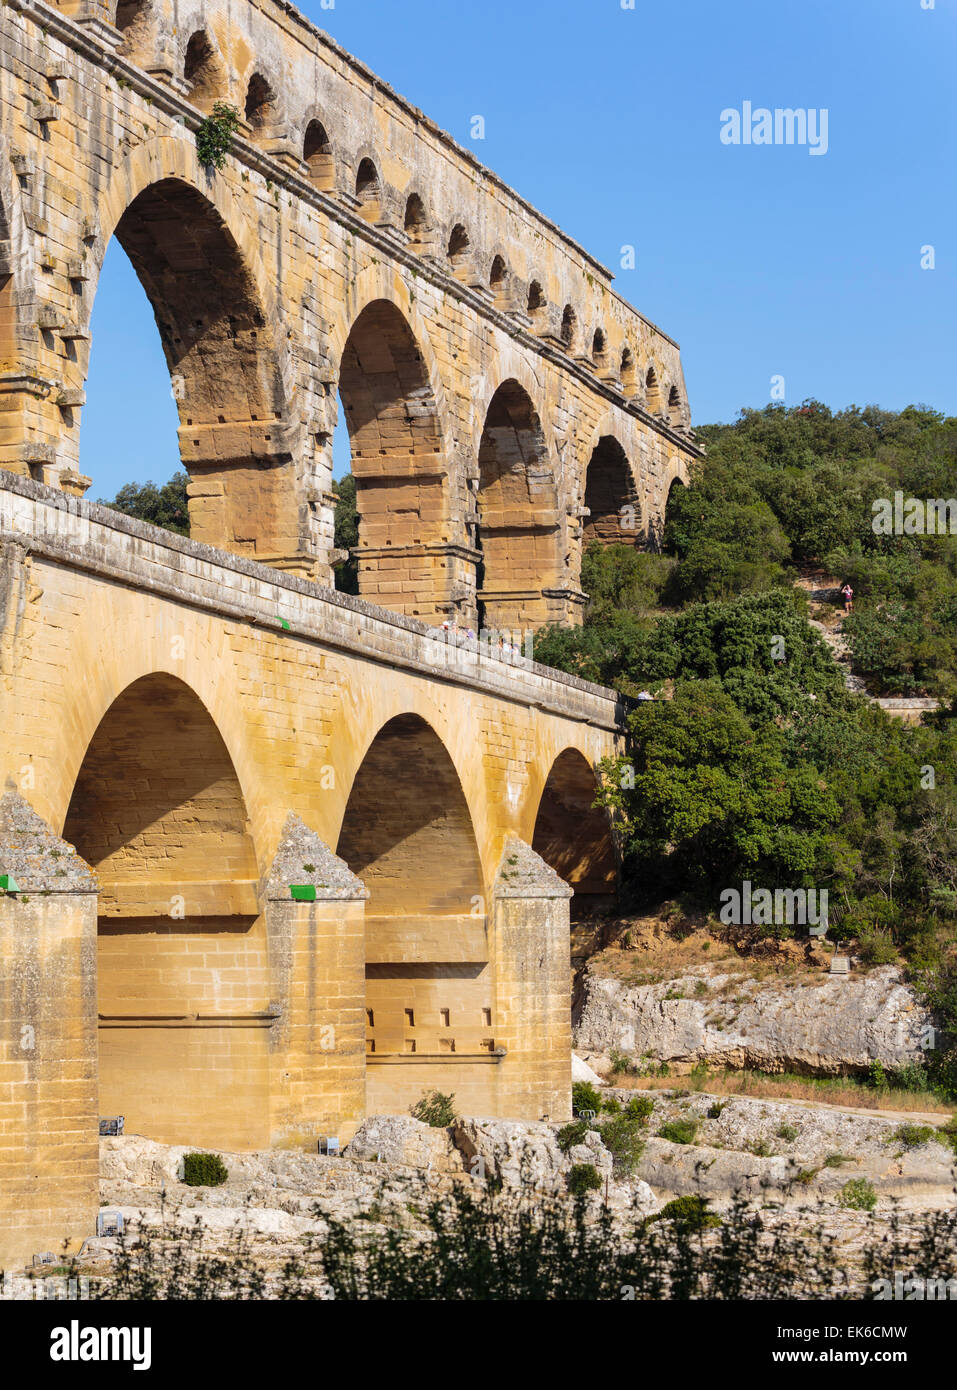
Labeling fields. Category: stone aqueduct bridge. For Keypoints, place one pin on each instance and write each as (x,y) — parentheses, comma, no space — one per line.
(205,722)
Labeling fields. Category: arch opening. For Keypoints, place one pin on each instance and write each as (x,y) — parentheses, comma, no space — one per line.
(416,223)
(628,372)
(134,19)
(537,305)
(517,532)
(599,348)
(261,106)
(652,392)
(674,406)
(407,833)
(318,157)
(459,251)
(158,811)
(205,71)
(610,497)
(224,371)
(569,328)
(498,282)
(369,191)
(575,837)
(398,465)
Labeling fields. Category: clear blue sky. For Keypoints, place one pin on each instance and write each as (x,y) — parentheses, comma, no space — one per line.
(761,261)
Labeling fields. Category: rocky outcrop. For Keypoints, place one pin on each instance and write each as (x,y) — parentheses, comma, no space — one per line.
(838,1024)
(403,1142)
(789,1152)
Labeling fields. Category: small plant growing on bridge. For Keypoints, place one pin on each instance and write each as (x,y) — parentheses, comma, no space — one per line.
(583,1178)
(214,135)
(204,1170)
(434,1109)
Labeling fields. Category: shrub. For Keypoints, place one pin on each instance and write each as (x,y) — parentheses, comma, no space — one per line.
(476,1244)
(679,1131)
(690,1213)
(570,1135)
(434,1109)
(877,949)
(621,1063)
(947,1134)
(788,1132)
(583,1178)
(715,1109)
(585,1097)
(214,135)
(858,1195)
(837,1160)
(204,1170)
(806,1176)
(640,1107)
(621,1135)
(913,1136)
(611,1106)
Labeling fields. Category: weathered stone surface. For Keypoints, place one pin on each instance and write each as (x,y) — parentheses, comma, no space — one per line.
(524,874)
(403,1142)
(825,1028)
(759,1148)
(302,858)
(36,859)
(581,1071)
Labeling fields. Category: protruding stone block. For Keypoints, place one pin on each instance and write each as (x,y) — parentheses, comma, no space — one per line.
(315,920)
(48,1096)
(531,950)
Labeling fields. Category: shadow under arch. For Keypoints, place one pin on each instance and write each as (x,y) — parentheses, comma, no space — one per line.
(182,957)
(392,414)
(574,836)
(407,833)
(518,531)
(219,344)
(611,497)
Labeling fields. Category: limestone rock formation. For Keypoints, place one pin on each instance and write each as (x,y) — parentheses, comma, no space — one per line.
(403,1142)
(838,1024)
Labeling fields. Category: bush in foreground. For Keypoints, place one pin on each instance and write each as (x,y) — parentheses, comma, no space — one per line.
(481,1244)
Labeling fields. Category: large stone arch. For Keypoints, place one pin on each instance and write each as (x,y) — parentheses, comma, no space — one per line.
(408,834)
(518,531)
(217,319)
(184,982)
(610,497)
(574,836)
(114,657)
(393,404)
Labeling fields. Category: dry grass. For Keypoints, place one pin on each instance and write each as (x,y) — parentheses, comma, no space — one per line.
(841,1091)
(651,950)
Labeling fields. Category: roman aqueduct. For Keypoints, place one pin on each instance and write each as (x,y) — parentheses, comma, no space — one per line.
(330,849)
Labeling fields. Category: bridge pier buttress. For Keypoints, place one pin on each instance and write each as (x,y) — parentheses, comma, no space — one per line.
(49,1159)
(531,952)
(315,926)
